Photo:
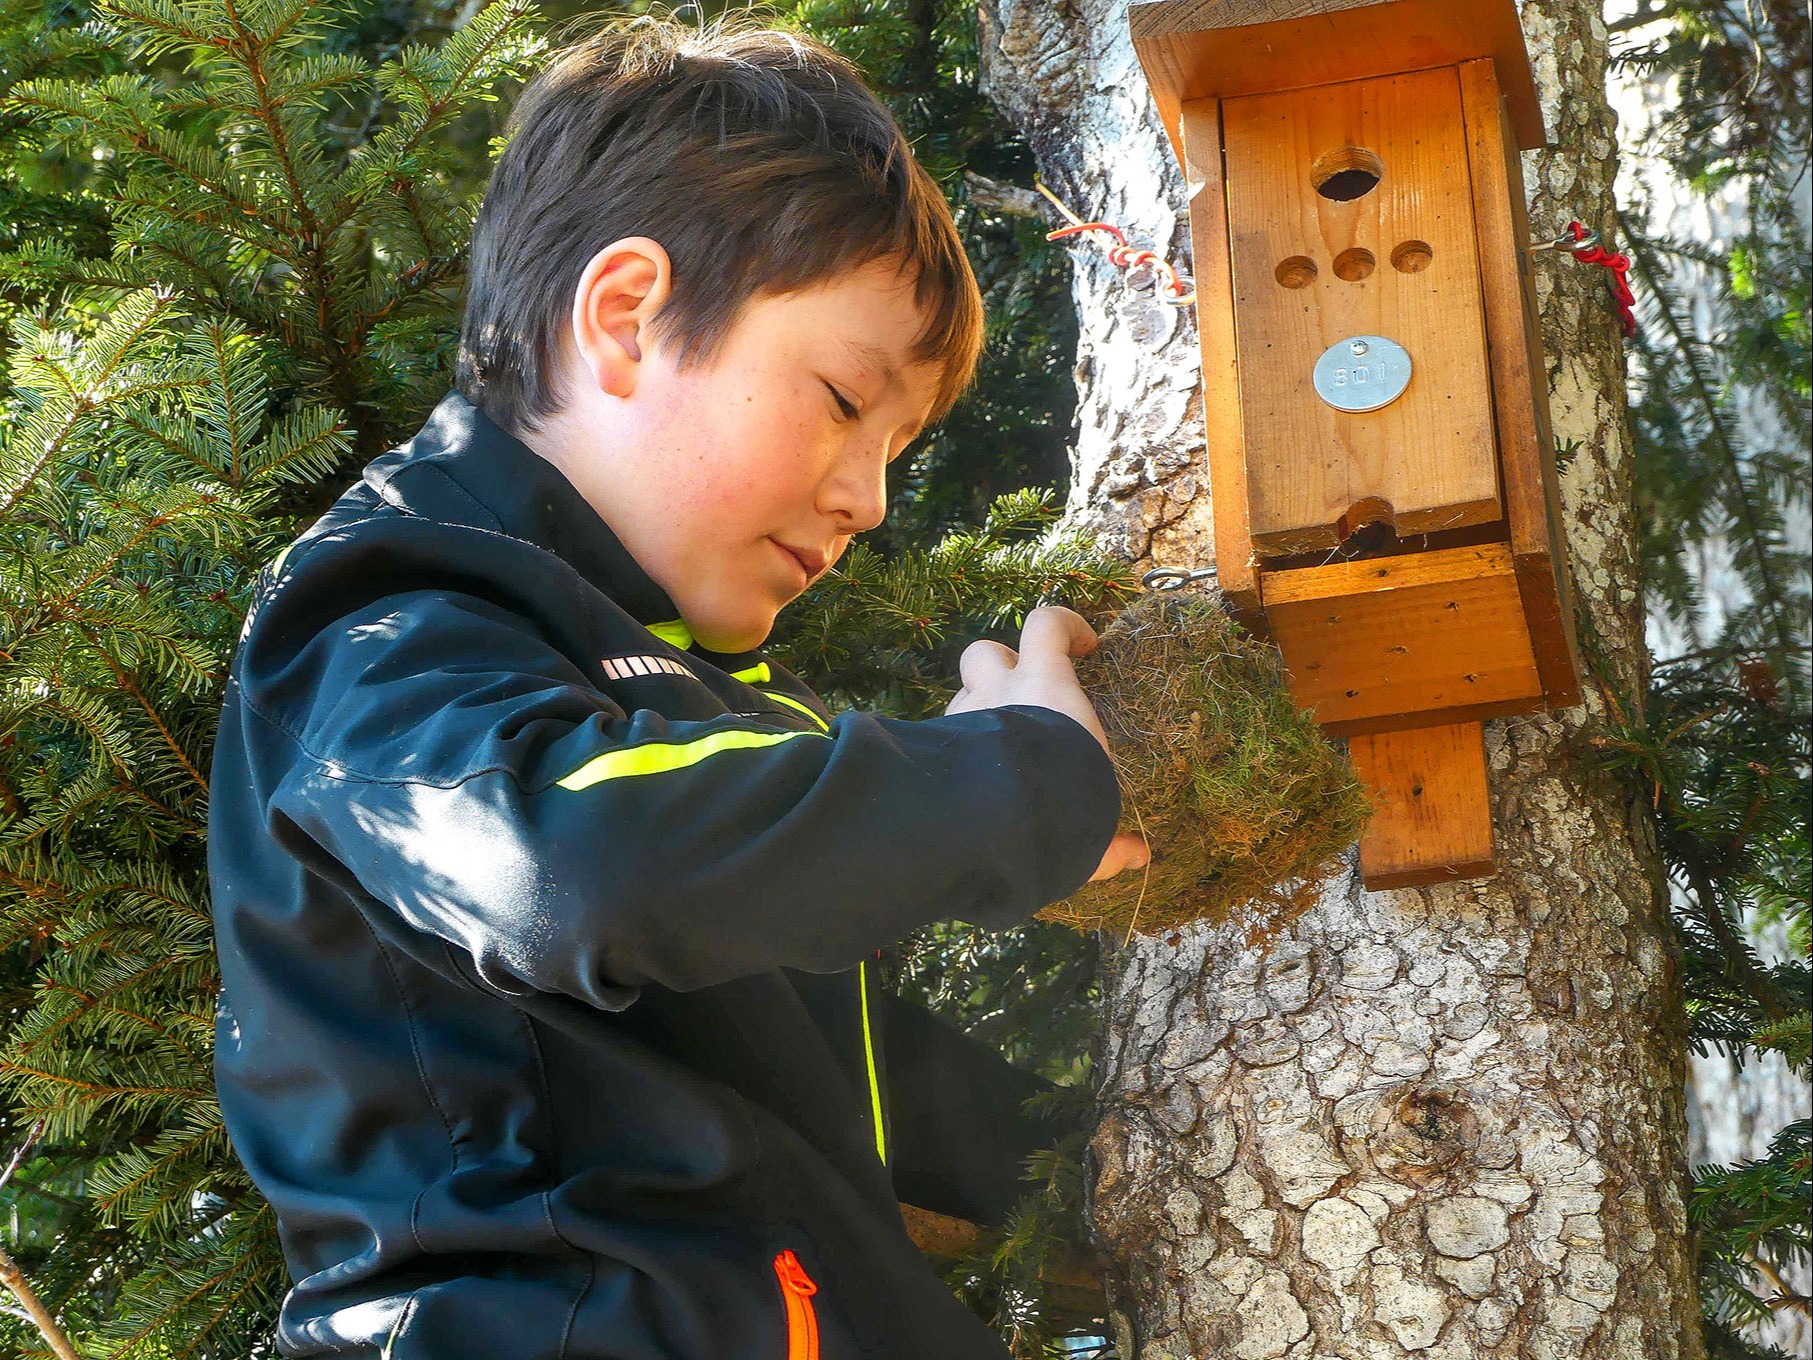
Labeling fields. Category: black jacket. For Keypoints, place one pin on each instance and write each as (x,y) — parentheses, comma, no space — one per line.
(549,1024)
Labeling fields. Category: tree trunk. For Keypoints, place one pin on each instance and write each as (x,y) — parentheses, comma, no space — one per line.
(1444,1122)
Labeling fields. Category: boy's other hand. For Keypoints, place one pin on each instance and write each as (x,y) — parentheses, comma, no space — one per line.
(995,675)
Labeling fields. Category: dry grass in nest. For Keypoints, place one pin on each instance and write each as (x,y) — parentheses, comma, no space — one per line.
(1245,803)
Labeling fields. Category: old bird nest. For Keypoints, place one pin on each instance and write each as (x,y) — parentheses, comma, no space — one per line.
(1245,804)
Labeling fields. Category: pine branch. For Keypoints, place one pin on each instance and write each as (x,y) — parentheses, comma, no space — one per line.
(261,259)
(14,1278)
(1735,956)
(41,1317)
(1771,592)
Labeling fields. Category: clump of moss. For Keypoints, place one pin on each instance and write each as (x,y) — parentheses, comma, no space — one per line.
(1245,803)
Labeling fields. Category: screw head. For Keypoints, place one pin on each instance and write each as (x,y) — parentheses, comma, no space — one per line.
(1357,347)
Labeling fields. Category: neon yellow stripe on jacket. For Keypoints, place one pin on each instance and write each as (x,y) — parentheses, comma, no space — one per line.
(868,1049)
(759,674)
(674,632)
(795,703)
(657,757)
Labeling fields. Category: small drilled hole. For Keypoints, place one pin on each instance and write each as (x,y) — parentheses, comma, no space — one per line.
(1299,271)
(1355,264)
(1346,173)
(1412,257)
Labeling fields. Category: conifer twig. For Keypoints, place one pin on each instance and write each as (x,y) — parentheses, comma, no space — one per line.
(1785,1296)
(14,1278)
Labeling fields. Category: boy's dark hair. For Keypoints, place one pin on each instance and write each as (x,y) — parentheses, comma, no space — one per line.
(757,157)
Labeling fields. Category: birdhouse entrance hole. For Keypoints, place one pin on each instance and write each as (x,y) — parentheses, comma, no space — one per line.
(1373,513)
(1346,173)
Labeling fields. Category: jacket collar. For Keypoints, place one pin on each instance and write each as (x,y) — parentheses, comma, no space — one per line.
(461,468)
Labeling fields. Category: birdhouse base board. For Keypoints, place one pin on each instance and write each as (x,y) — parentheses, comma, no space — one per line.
(1434,636)
(1432,811)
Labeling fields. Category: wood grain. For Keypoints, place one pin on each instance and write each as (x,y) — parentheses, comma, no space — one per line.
(1402,640)
(1219,49)
(1432,812)
(1201,142)
(1520,385)
(1429,454)
(1338,580)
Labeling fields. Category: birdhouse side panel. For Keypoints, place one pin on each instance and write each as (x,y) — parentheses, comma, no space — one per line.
(1520,383)
(1200,136)
(1351,220)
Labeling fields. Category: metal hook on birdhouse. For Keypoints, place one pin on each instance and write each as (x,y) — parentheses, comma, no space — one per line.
(1585,247)
(1176,578)
(1567,241)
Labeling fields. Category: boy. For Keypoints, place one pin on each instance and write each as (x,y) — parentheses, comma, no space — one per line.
(544,901)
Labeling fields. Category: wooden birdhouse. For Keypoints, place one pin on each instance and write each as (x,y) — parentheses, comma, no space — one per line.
(1378,431)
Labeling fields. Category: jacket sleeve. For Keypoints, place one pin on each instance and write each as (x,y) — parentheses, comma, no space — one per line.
(958,1137)
(435,748)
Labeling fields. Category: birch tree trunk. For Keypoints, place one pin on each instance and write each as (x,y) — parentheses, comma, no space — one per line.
(1446,1122)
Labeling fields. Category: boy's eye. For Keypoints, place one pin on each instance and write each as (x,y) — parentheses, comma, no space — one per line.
(848,410)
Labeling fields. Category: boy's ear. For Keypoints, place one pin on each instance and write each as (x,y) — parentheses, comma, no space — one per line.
(620,289)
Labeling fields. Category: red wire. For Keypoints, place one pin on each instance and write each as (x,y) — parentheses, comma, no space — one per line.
(1620,267)
(1124,255)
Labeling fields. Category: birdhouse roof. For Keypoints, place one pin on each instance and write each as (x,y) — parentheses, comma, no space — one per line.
(1201,49)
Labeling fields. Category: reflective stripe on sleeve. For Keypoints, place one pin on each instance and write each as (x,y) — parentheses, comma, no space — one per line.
(759,674)
(626,667)
(657,757)
(795,703)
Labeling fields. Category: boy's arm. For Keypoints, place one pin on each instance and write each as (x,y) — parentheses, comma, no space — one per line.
(432,750)
(958,1138)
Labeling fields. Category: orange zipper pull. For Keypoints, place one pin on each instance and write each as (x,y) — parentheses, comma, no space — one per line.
(793,1274)
(802,1321)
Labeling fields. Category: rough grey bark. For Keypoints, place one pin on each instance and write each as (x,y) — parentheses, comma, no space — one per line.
(1446,1122)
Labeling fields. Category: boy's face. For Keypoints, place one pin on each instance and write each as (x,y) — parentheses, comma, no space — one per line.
(709,477)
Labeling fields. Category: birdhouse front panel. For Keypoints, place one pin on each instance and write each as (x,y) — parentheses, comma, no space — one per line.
(1361,336)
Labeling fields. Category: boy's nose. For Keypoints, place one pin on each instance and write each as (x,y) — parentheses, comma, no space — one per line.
(858,490)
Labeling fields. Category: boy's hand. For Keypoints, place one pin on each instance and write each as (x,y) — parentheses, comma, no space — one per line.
(1040,673)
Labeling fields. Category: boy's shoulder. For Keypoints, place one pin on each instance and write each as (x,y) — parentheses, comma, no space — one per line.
(460,503)
(459,520)
(377,544)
